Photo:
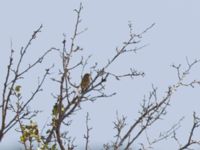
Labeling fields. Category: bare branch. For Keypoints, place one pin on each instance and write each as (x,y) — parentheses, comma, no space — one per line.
(88,129)
(191,141)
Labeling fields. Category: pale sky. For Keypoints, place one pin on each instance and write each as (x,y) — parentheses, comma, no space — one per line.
(174,37)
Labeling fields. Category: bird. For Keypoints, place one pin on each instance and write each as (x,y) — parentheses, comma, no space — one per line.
(85,82)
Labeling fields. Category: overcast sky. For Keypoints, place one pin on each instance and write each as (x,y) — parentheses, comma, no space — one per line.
(174,37)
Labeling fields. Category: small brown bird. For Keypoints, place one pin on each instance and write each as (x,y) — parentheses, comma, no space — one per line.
(85,82)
